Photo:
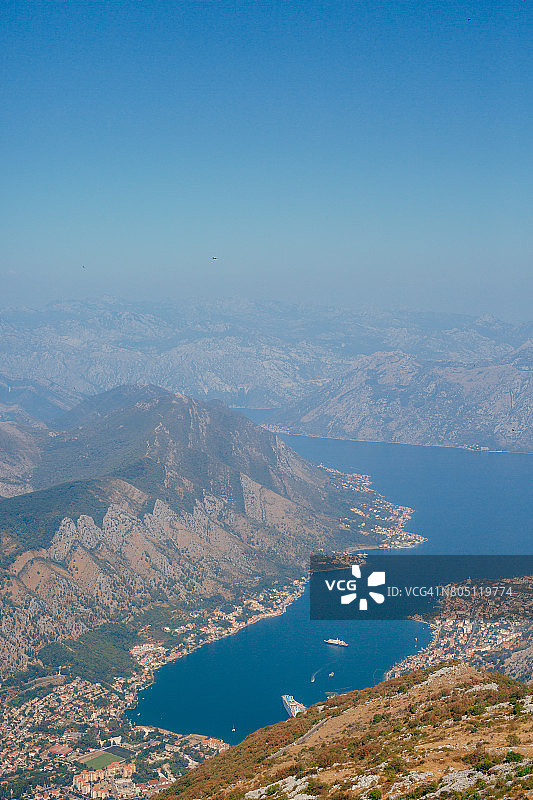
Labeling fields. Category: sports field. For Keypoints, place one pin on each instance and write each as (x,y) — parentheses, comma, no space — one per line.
(102,760)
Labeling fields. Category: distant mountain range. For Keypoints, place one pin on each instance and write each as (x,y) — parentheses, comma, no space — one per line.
(394,397)
(406,377)
(140,496)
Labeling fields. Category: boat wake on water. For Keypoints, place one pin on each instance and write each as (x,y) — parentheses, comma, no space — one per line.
(321,669)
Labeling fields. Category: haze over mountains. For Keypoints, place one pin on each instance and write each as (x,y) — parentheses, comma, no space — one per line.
(412,378)
(405,377)
(122,501)
(394,397)
(34,402)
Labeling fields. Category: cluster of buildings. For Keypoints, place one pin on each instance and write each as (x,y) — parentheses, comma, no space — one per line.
(43,731)
(461,638)
(43,740)
(115,777)
(377,516)
(44,737)
(47,793)
(352,481)
(152,655)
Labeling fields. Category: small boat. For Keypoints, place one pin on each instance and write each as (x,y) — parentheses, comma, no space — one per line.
(338,642)
(233,729)
(331,674)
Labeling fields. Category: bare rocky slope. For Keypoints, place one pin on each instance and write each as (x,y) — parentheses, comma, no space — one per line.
(395,397)
(141,496)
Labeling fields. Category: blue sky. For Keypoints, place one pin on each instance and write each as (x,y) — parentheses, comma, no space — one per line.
(344,152)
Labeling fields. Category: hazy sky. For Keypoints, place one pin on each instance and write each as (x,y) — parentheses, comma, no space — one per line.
(351,152)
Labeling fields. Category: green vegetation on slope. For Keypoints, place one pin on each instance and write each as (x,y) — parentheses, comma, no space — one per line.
(98,655)
(32,519)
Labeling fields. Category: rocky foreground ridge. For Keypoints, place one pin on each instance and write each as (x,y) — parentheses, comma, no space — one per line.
(454,731)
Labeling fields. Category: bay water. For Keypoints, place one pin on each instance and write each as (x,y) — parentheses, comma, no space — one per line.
(465,502)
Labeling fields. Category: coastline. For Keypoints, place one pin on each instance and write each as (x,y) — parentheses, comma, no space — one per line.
(287,596)
(87,705)
(468,448)
(110,706)
(286,432)
(391,534)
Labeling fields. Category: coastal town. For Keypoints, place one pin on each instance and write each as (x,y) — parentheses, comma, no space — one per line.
(465,639)
(377,518)
(482,630)
(64,737)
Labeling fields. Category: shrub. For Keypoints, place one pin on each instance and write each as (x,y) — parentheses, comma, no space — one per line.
(394,766)
(480,761)
(315,786)
(512,756)
(422,791)
(521,772)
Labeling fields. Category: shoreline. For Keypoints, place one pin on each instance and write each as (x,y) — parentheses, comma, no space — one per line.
(281,432)
(394,538)
(152,657)
(171,656)
(468,448)
(111,705)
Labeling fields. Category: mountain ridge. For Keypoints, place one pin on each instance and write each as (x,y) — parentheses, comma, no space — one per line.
(159,497)
(278,356)
(393,397)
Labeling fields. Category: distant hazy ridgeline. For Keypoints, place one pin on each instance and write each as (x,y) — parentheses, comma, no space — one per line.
(384,376)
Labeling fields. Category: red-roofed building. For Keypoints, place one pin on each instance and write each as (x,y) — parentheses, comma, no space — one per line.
(60,750)
(153,787)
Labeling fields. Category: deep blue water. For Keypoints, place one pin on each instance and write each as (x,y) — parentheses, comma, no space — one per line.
(238,681)
(465,502)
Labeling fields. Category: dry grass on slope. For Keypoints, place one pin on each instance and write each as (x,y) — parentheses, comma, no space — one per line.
(453,731)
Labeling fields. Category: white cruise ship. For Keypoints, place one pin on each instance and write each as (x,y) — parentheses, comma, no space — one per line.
(292,706)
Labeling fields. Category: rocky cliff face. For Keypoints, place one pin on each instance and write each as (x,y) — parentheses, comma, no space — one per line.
(145,496)
(394,397)
(19,455)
